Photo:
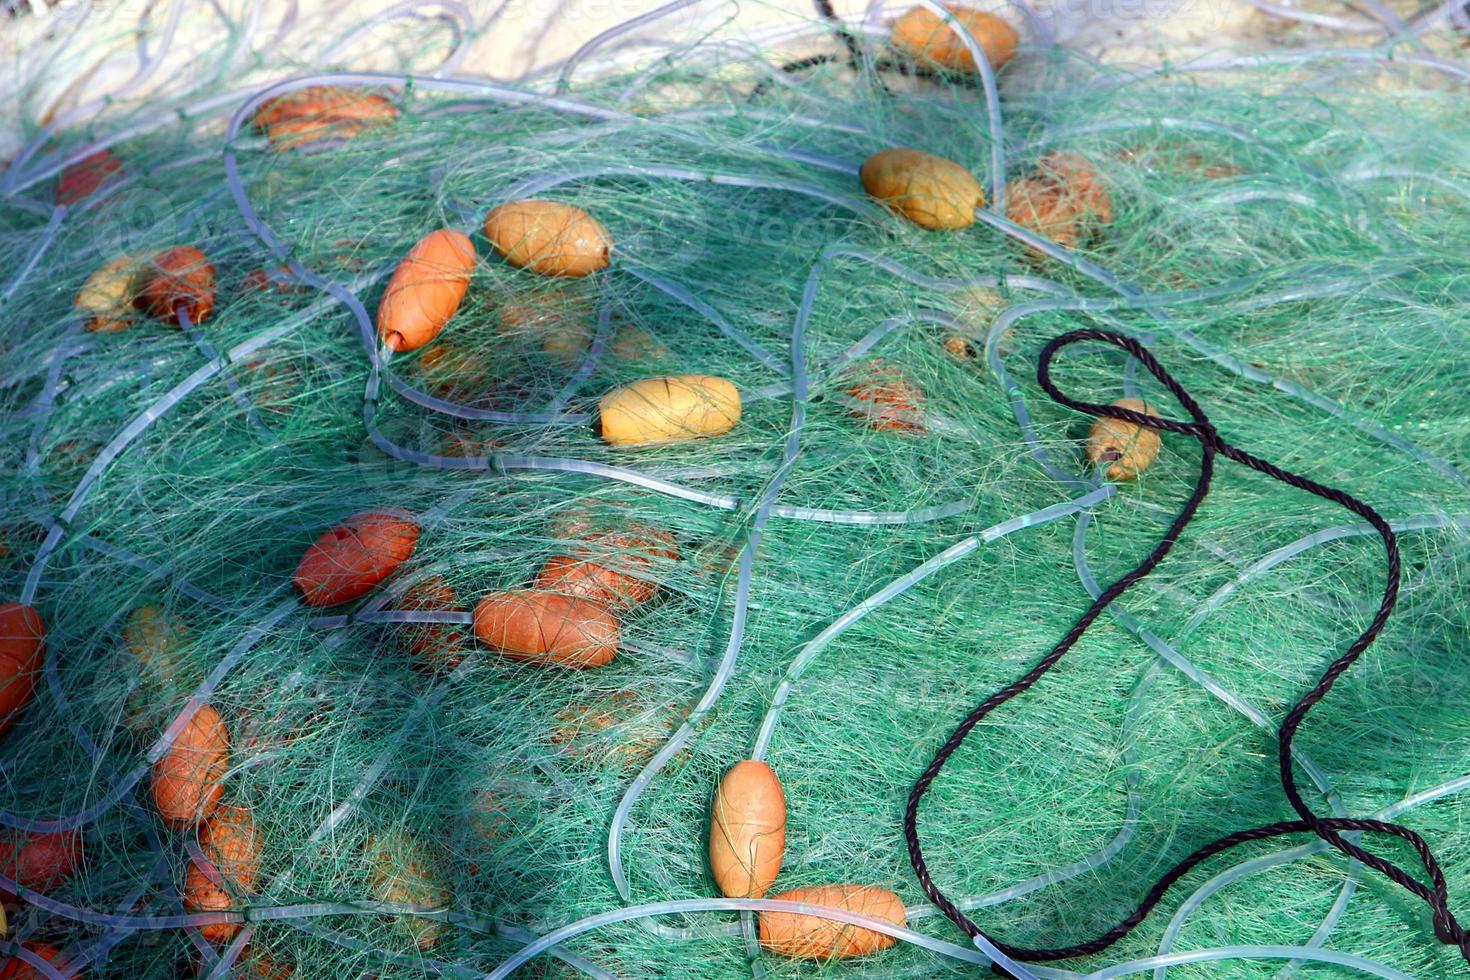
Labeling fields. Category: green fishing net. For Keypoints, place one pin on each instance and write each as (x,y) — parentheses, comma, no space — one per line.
(1288,238)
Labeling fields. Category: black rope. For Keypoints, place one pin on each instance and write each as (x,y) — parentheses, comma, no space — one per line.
(959,79)
(825,11)
(905,68)
(1330,829)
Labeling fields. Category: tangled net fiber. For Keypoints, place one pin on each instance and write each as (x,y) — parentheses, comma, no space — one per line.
(900,524)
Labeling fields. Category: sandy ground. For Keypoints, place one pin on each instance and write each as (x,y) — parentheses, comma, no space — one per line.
(62,56)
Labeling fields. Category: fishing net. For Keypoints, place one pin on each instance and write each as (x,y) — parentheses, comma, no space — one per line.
(900,523)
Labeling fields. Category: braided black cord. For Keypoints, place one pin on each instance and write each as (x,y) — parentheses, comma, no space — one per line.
(854,56)
(827,13)
(1330,829)
(904,68)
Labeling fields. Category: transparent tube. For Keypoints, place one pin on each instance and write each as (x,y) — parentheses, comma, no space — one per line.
(455,13)
(679,294)
(44,404)
(569,66)
(125,785)
(893,590)
(726,668)
(1201,677)
(992,101)
(1347,25)
(632,912)
(236,393)
(1358,963)
(136,428)
(589,362)
(38,963)
(542,183)
(43,244)
(1306,543)
(147,65)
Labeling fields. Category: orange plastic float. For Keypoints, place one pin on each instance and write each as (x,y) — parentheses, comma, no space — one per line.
(22,652)
(186,778)
(747,837)
(812,937)
(350,560)
(547,628)
(426,289)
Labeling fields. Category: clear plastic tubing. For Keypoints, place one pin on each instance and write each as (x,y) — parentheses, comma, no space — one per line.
(509,463)
(895,589)
(152,568)
(1406,173)
(992,102)
(442,617)
(236,393)
(1275,558)
(255,96)
(1126,830)
(1012,390)
(1225,360)
(1003,961)
(43,243)
(137,427)
(1303,394)
(681,295)
(1427,21)
(99,949)
(297,915)
(704,54)
(1245,195)
(157,121)
(219,967)
(757,115)
(1187,667)
(1422,522)
(1347,25)
(417,963)
(726,668)
(44,403)
(1446,66)
(372,773)
(569,67)
(1161,647)
(460,16)
(1234,953)
(632,912)
(933,282)
(589,362)
(1294,953)
(748,53)
(525,937)
(1350,278)
(1168,653)
(533,186)
(456,410)
(147,65)
(375,771)
(1182,124)
(36,961)
(165,742)
(116,920)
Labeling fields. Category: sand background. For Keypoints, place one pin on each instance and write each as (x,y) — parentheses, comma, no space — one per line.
(58,57)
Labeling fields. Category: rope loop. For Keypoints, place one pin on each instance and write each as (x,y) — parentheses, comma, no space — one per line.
(1329,829)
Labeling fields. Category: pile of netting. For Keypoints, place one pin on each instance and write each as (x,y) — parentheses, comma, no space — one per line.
(900,522)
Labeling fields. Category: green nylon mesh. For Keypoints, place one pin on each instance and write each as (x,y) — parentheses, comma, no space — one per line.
(1325,194)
